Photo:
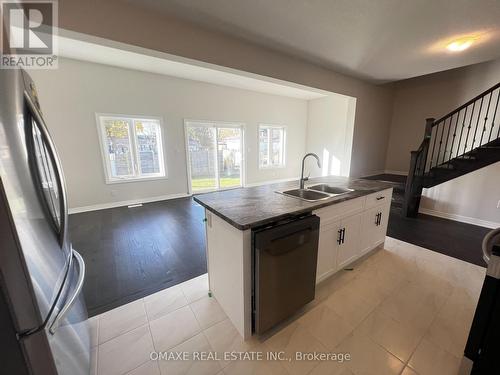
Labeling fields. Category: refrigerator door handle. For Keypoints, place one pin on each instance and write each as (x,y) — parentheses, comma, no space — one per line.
(50,144)
(71,300)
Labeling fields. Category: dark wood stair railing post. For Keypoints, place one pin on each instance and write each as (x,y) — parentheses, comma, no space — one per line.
(408,206)
(418,165)
(429,122)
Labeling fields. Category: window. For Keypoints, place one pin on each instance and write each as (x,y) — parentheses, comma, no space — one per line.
(131,148)
(271,146)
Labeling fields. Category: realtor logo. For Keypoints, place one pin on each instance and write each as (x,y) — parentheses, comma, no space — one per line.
(28,34)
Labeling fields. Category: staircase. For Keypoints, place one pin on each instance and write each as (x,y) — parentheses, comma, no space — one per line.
(463,141)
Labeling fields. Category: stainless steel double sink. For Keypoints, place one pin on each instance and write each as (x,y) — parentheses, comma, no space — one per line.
(316,192)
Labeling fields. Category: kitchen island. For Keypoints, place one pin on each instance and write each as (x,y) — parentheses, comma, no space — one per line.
(351,225)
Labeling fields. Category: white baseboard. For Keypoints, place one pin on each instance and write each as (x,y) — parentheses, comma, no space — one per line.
(463,219)
(373,173)
(400,173)
(103,206)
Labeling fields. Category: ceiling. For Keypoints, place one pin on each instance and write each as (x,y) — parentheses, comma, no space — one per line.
(378,40)
(102,51)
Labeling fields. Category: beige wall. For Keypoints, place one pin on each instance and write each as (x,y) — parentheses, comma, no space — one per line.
(127,23)
(71,96)
(473,197)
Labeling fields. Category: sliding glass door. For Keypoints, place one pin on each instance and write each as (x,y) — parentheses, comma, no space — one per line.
(229,150)
(214,152)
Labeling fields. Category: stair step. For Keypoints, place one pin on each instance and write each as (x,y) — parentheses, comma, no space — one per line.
(472,156)
(465,157)
(482,149)
(444,167)
(462,163)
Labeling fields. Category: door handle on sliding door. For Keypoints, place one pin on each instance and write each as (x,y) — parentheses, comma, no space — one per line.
(71,300)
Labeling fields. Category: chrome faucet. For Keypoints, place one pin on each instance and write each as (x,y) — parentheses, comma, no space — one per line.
(302,178)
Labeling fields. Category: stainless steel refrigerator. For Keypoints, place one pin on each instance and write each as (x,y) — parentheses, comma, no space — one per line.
(43,319)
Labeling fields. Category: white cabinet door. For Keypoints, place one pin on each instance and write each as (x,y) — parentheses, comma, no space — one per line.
(349,248)
(381,228)
(369,229)
(374,227)
(327,250)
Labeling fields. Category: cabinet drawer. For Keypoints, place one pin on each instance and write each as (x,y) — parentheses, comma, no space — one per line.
(336,211)
(381,197)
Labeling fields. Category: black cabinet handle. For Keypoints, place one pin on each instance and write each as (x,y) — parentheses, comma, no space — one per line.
(379,198)
(341,238)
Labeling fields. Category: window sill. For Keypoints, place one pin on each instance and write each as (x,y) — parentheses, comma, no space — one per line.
(135,179)
(193,192)
(272,167)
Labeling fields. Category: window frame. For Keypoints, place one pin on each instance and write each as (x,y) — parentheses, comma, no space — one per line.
(215,124)
(272,126)
(109,179)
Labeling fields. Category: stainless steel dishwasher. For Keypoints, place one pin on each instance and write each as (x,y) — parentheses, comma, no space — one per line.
(284,262)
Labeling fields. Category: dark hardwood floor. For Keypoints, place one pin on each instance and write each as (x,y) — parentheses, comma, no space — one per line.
(453,238)
(133,252)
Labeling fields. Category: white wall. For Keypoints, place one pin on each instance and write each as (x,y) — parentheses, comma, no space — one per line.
(130,23)
(330,128)
(71,95)
(473,197)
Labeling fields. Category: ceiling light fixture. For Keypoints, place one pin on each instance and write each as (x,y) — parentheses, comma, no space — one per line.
(461,44)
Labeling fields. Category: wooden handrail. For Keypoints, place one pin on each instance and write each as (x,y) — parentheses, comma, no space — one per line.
(457,136)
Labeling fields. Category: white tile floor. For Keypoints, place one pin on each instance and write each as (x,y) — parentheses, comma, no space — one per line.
(403,310)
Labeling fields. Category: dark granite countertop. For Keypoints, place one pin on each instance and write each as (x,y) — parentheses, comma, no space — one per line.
(246,208)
